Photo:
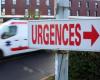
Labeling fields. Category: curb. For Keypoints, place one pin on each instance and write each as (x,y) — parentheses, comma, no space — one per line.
(47,77)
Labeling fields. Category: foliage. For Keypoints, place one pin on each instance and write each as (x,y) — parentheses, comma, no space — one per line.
(32,16)
(84,66)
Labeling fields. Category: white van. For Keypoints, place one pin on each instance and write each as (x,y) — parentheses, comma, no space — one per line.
(14,38)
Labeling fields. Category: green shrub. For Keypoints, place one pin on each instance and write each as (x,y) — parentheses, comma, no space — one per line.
(84,66)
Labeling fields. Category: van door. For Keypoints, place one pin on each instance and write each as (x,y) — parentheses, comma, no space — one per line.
(9,39)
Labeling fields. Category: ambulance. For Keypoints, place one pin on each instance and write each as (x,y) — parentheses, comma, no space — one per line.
(14,38)
(14,35)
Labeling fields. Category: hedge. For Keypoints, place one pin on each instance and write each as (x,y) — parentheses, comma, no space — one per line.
(84,66)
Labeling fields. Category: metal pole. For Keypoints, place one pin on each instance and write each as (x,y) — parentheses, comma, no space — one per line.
(61,57)
(61,66)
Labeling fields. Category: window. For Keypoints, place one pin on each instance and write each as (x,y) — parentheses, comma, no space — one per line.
(26,12)
(78,12)
(9,32)
(37,12)
(49,12)
(96,5)
(27,2)
(87,4)
(47,2)
(13,11)
(79,4)
(70,3)
(37,2)
(69,12)
(3,11)
(2,1)
(88,13)
(14,2)
(95,13)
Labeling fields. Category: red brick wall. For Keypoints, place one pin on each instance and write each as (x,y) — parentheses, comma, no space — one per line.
(32,6)
(74,7)
(8,7)
(83,9)
(43,8)
(52,3)
(21,5)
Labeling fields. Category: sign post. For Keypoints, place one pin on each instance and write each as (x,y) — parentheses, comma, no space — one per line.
(61,57)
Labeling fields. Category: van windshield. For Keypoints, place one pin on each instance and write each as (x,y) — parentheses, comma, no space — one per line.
(9,32)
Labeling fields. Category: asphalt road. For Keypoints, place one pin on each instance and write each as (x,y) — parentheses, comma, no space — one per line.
(34,66)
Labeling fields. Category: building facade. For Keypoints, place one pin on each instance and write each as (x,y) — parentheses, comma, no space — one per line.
(47,7)
(25,7)
(85,7)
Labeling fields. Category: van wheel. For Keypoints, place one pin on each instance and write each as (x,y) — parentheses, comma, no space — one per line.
(1,54)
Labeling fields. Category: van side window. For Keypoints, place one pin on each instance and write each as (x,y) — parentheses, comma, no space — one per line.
(11,31)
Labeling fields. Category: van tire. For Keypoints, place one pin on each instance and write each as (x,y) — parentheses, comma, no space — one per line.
(1,54)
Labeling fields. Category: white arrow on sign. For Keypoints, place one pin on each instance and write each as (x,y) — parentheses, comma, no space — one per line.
(76,35)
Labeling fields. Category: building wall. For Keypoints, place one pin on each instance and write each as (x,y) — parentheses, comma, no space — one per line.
(77,7)
(85,7)
(8,6)
(19,8)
